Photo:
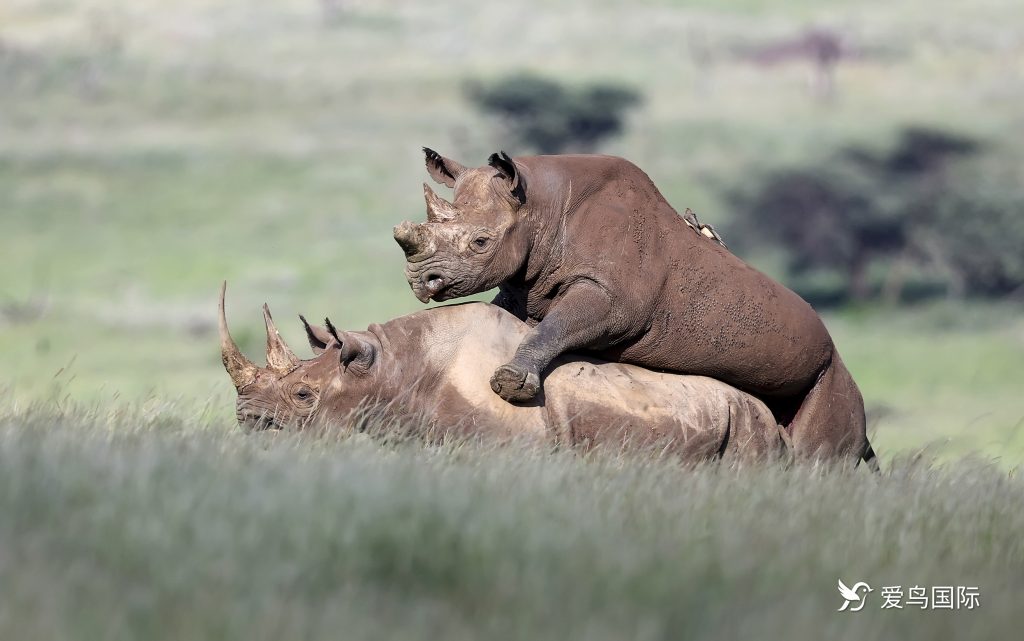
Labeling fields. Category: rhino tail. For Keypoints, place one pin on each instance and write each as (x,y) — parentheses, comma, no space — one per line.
(871,460)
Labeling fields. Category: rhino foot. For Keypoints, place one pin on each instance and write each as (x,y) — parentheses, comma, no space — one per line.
(515,383)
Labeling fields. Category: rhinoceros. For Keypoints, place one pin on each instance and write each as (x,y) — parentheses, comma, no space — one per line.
(587,251)
(430,365)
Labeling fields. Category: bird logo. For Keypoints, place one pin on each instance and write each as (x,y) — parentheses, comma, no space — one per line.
(851,595)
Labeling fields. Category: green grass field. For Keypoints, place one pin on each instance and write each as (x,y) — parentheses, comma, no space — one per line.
(164,525)
(149,150)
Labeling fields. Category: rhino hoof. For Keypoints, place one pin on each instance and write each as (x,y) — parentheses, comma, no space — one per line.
(513,383)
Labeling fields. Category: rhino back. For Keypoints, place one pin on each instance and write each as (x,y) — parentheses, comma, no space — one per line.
(680,301)
(612,404)
(458,346)
(447,353)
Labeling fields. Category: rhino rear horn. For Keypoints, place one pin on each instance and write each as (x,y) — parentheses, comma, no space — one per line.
(279,355)
(241,370)
(439,210)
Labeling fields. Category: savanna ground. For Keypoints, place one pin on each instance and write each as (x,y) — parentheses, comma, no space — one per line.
(149,150)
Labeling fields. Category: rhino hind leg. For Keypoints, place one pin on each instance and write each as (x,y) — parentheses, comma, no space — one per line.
(830,423)
(753,434)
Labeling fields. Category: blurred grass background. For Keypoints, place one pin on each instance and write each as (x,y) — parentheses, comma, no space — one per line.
(150,150)
(159,524)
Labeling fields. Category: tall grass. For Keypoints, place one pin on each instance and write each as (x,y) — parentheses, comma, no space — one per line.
(156,524)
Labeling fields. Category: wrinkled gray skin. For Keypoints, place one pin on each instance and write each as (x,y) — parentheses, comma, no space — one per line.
(588,252)
(432,365)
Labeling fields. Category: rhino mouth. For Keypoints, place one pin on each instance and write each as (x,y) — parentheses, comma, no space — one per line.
(259,422)
(433,286)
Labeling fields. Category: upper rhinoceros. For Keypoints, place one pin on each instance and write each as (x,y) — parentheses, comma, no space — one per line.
(587,250)
(432,364)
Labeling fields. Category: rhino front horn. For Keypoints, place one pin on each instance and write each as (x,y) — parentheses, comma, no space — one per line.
(409,237)
(439,210)
(241,370)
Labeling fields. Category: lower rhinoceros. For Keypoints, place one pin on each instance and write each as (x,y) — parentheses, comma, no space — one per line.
(588,251)
(431,366)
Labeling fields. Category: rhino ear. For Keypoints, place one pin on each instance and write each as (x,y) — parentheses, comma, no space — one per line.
(319,338)
(357,354)
(441,169)
(510,173)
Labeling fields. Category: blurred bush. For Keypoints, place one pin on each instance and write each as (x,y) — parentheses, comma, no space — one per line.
(937,211)
(549,117)
(985,252)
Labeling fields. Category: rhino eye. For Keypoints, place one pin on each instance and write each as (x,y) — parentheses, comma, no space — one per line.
(481,242)
(303,394)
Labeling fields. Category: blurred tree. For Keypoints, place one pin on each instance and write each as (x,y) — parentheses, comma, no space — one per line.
(912,205)
(984,256)
(551,118)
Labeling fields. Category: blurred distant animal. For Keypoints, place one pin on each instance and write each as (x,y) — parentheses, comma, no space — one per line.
(822,47)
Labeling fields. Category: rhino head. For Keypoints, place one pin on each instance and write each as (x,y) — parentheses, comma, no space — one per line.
(474,243)
(290,392)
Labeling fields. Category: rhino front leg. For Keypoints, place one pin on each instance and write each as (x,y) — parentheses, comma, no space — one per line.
(578,318)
